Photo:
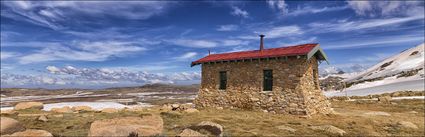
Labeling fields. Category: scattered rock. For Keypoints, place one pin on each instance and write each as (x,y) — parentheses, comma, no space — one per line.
(330,129)
(219,108)
(42,118)
(32,133)
(31,115)
(190,133)
(286,128)
(145,126)
(384,99)
(191,110)
(175,106)
(406,124)
(10,125)
(8,112)
(213,128)
(82,108)
(377,113)
(109,110)
(29,105)
(65,109)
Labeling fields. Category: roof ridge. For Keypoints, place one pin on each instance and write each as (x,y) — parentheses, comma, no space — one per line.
(266,49)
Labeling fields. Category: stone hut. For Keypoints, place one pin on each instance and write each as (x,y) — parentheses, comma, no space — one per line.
(277,80)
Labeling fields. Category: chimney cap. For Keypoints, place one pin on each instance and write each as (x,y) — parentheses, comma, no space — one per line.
(262,35)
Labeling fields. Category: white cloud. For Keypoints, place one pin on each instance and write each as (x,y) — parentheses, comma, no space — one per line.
(387,8)
(51,13)
(193,43)
(82,51)
(186,56)
(230,27)
(373,58)
(5,55)
(313,10)
(239,12)
(382,41)
(278,5)
(344,26)
(275,32)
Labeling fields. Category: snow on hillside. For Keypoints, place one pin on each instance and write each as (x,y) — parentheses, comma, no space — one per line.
(404,71)
(407,60)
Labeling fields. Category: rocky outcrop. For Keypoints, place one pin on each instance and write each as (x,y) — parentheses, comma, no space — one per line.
(406,124)
(384,99)
(190,133)
(82,109)
(9,126)
(145,126)
(29,105)
(329,129)
(31,133)
(65,109)
(213,128)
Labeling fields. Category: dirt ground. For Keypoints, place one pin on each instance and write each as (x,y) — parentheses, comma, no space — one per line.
(354,117)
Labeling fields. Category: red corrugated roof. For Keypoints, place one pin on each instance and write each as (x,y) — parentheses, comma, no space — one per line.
(253,54)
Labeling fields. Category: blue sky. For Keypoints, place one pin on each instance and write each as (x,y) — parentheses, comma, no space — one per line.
(94,44)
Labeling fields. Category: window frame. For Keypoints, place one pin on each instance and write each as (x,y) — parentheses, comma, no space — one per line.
(222,86)
(269,85)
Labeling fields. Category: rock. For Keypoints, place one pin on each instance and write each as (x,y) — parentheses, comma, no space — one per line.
(65,109)
(330,129)
(32,133)
(219,108)
(214,128)
(8,112)
(145,126)
(82,108)
(384,99)
(175,106)
(406,124)
(109,110)
(42,118)
(191,110)
(10,125)
(286,128)
(32,115)
(190,133)
(377,113)
(412,112)
(29,105)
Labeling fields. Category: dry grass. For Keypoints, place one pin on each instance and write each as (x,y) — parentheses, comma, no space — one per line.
(249,123)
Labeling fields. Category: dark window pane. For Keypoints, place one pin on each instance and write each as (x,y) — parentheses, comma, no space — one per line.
(268,80)
(223,80)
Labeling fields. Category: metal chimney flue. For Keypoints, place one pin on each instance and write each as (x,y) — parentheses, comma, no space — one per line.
(262,42)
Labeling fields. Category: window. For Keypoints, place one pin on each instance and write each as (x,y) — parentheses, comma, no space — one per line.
(268,80)
(223,80)
(315,79)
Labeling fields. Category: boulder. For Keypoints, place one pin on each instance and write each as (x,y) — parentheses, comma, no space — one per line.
(65,109)
(42,118)
(145,126)
(32,133)
(191,110)
(29,105)
(175,106)
(286,128)
(10,125)
(109,110)
(213,128)
(377,113)
(82,108)
(330,129)
(190,133)
(384,99)
(8,112)
(406,124)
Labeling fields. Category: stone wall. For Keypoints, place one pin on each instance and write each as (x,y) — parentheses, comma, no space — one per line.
(294,90)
